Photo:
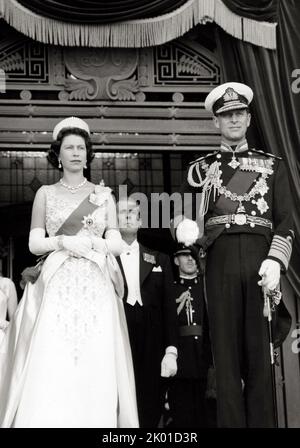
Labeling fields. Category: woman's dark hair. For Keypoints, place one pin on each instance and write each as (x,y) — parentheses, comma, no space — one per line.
(53,153)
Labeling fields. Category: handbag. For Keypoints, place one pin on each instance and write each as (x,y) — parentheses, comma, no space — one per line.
(115,275)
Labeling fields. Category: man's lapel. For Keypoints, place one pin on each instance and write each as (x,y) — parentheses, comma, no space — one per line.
(148,260)
(124,277)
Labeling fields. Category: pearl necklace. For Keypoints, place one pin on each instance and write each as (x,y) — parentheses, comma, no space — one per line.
(73,188)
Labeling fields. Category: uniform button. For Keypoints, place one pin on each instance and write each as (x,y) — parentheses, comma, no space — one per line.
(227,225)
(252,224)
(196,337)
(219,156)
(253,213)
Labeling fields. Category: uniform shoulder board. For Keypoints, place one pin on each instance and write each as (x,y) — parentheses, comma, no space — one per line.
(205,157)
(265,153)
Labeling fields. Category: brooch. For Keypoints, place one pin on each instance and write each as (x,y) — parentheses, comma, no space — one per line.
(88,222)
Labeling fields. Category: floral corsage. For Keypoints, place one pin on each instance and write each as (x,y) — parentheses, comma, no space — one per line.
(100,195)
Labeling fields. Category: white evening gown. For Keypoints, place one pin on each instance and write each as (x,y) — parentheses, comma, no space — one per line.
(71,374)
(3,311)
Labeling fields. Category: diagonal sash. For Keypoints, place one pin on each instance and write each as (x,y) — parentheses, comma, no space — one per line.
(239,183)
(73,223)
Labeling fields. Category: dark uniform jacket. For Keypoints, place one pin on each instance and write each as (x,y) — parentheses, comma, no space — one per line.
(194,355)
(266,196)
(253,197)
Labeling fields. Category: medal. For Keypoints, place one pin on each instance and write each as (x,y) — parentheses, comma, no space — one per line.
(234,163)
(262,205)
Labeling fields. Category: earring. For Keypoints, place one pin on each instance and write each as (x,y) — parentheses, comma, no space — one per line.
(59,163)
(85,166)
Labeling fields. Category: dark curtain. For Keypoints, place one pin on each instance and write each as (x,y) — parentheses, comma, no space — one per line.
(109,11)
(275,107)
(101,11)
(288,51)
(265,10)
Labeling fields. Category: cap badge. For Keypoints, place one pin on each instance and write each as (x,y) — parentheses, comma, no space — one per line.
(230,95)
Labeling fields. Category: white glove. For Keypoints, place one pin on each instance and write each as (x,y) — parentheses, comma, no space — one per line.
(270,273)
(78,246)
(39,244)
(169,364)
(187,232)
(111,243)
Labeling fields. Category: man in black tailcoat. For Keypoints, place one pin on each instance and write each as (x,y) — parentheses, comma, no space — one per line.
(150,313)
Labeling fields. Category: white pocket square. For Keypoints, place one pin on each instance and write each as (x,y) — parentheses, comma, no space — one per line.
(156,269)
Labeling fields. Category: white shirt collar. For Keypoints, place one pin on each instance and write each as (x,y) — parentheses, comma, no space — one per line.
(130,247)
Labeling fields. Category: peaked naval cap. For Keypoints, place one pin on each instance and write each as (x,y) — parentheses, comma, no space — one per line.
(228,96)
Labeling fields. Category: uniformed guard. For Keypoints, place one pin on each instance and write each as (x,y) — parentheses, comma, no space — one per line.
(247,212)
(186,394)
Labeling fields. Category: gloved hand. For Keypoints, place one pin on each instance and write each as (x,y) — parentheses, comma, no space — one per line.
(168,365)
(39,244)
(111,243)
(78,246)
(270,273)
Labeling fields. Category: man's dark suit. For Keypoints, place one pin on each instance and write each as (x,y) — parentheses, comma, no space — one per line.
(152,328)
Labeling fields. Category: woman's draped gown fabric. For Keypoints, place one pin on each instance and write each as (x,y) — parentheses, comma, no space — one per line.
(71,375)
(3,311)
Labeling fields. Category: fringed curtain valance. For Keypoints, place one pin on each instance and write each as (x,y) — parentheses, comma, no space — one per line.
(140,32)
(101,11)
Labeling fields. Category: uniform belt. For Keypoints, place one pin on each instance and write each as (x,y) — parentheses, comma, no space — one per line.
(239,219)
(190,330)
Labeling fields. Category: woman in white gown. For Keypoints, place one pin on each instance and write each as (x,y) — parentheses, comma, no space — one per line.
(8,303)
(66,359)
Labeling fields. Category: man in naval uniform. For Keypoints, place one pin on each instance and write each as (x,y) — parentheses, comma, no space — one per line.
(187,390)
(247,212)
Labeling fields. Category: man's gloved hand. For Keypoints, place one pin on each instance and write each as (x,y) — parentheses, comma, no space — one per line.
(169,363)
(270,273)
(78,246)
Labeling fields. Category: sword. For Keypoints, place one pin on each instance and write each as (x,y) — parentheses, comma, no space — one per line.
(271,298)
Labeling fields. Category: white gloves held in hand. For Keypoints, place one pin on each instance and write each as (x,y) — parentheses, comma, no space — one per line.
(270,273)
(187,232)
(78,246)
(169,363)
